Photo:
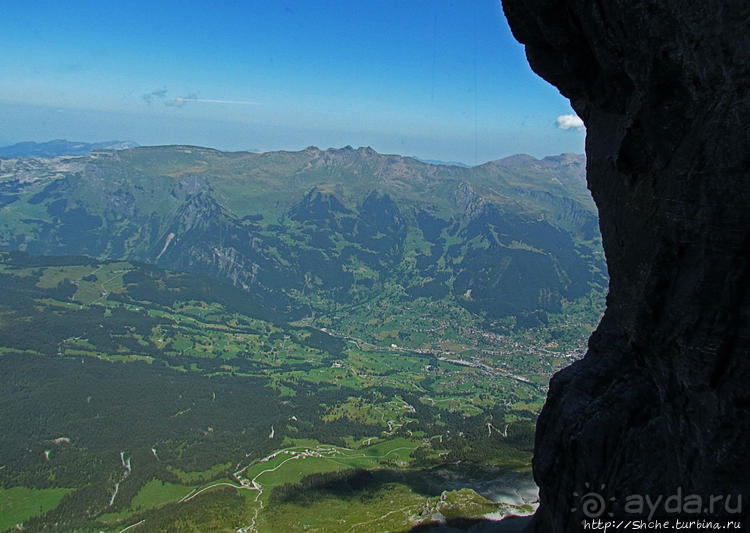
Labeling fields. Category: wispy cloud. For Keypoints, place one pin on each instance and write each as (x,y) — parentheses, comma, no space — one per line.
(180,101)
(568,122)
(183,99)
(160,95)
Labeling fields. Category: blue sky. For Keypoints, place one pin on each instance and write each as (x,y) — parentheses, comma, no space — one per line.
(437,79)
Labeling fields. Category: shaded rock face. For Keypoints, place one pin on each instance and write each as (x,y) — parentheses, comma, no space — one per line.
(660,405)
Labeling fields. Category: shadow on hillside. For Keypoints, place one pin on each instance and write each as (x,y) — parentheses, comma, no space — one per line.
(365,485)
(495,484)
(512,524)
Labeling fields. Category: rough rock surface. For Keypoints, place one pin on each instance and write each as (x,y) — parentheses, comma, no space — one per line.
(660,405)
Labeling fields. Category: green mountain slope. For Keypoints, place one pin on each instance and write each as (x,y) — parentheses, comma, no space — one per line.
(132,394)
(314,234)
(213,341)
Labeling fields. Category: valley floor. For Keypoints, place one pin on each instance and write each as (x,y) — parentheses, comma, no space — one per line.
(138,401)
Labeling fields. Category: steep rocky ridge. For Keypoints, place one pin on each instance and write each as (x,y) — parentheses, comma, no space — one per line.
(660,402)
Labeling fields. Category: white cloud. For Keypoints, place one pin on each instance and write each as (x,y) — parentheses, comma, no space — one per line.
(567,122)
(180,100)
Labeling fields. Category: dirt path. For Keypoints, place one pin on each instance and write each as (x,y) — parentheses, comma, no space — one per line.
(131,526)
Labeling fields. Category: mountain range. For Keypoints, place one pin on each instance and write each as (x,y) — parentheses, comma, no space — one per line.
(314,232)
(250,341)
(60,147)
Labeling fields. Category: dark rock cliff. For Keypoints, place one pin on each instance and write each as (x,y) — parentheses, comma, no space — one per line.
(660,405)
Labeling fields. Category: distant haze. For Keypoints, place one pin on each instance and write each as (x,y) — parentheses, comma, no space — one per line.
(438,79)
(60,147)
